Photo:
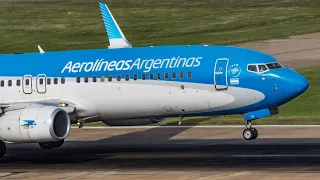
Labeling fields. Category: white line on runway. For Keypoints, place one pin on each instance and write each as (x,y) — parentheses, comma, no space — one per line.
(207,126)
(275,155)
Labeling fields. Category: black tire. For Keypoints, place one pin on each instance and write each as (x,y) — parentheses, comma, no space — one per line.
(248,134)
(3,149)
(255,133)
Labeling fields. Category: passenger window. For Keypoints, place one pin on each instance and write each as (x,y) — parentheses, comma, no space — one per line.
(63,80)
(158,75)
(166,75)
(55,80)
(18,82)
(127,77)
(78,80)
(48,81)
(102,78)
(135,77)
(189,74)
(252,68)
(10,83)
(262,68)
(174,75)
(181,75)
(143,76)
(110,78)
(41,81)
(27,82)
(86,79)
(94,79)
(119,77)
(274,65)
(151,76)
(2,83)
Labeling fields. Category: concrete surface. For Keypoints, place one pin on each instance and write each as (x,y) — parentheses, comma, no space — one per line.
(171,153)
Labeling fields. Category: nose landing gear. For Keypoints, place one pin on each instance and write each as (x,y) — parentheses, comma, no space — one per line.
(250,133)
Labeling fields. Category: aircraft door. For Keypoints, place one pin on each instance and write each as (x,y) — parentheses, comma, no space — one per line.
(41,83)
(220,74)
(27,84)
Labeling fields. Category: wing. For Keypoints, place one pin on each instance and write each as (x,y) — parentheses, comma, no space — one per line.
(67,106)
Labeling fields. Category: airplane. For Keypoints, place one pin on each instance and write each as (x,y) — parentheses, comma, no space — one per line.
(43,93)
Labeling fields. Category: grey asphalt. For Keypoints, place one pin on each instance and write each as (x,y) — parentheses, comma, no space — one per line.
(183,153)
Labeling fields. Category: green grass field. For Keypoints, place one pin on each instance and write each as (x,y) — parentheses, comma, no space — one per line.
(65,25)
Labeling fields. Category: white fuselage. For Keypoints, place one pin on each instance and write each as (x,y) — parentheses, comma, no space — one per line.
(130,99)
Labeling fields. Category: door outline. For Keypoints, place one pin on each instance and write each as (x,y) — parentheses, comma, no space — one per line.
(41,88)
(226,74)
(26,87)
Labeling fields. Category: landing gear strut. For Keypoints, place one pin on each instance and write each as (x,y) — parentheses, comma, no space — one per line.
(250,132)
(3,149)
(51,145)
(180,120)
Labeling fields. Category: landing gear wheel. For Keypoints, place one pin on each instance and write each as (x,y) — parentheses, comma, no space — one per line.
(248,134)
(3,149)
(255,133)
(251,133)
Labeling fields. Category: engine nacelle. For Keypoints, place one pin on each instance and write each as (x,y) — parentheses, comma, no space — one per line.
(38,124)
(132,122)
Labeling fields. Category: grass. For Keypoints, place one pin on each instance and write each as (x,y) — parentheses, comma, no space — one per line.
(65,25)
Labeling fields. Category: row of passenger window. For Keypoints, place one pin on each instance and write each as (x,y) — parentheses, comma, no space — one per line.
(102,78)
(27,81)
(135,77)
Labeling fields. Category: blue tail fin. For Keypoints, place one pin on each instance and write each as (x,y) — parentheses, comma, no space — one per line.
(116,37)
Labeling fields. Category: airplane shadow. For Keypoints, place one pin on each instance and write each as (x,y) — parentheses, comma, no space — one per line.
(159,150)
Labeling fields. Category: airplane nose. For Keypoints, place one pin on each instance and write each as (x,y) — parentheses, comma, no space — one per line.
(302,84)
(298,83)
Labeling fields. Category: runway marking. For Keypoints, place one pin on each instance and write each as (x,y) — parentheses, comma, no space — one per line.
(274,155)
(206,126)
(148,156)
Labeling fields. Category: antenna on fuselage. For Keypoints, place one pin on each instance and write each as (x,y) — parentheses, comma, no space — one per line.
(40,49)
(116,37)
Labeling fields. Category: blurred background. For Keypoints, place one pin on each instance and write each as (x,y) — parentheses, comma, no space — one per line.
(77,24)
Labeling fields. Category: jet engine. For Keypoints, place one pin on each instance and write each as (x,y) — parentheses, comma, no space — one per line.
(132,122)
(38,124)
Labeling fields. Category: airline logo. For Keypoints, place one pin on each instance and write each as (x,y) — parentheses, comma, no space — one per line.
(234,70)
(124,65)
(28,124)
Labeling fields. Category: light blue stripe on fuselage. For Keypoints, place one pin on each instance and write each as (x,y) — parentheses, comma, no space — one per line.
(200,60)
(52,63)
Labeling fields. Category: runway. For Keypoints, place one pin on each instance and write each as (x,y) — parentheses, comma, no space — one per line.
(171,153)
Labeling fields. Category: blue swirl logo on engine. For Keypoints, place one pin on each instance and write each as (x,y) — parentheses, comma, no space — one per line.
(29,123)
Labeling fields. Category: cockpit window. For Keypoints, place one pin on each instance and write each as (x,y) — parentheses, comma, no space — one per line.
(253,68)
(274,65)
(262,68)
